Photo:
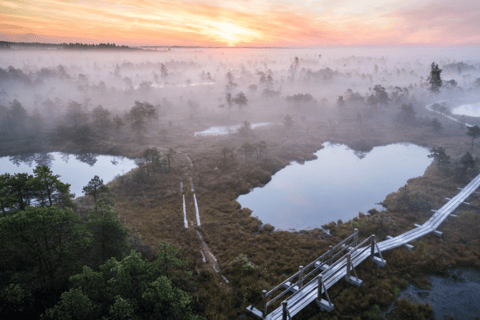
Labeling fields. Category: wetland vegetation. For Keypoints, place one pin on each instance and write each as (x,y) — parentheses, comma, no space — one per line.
(148,106)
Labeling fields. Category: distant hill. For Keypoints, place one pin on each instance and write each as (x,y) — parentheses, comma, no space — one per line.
(62,46)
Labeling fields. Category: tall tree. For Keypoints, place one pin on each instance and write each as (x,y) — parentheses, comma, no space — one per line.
(229,100)
(109,235)
(246,129)
(434,78)
(247,149)
(240,100)
(130,288)
(171,152)
(261,147)
(138,113)
(150,111)
(440,156)
(49,189)
(48,240)
(230,81)
(17,191)
(465,162)
(381,95)
(151,158)
(75,114)
(118,122)
(406,114)
(36,123)
(473,132)
(101,118)
(163,71)
(436,125)
(95,187)
(18,117)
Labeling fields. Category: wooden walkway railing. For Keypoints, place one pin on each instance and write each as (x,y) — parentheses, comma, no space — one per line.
(340,262)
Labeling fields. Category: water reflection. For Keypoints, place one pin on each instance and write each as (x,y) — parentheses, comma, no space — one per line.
(222,130)
(470,110)
(339,184)
(75,169)
(26,158)
(453,297)
(44,159)
(41,159)
(65,156)
(88,158)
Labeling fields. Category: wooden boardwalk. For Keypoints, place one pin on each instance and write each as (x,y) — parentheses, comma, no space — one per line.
(323,274)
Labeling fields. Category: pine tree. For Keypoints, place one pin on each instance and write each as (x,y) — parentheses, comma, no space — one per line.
(473,132)
(434,78)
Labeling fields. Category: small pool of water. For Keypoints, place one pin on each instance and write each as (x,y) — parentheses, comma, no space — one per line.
(454,297)
(470,110)
(222,130)
(76,169)
(338,185)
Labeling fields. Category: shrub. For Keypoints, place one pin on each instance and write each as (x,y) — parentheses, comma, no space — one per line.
(244,263)
(375,314)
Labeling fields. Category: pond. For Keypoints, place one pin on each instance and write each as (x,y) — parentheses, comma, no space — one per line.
(338,185)
(470,110)
(75,169)
(454,297)
(222,130)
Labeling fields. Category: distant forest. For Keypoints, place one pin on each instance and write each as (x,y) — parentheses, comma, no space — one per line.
(61,46)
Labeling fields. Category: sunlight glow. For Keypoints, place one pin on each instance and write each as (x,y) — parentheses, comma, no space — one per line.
(232,34)
(238,23)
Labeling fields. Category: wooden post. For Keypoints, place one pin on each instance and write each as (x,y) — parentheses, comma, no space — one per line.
(264,298)
(319,288)
(284,310)
(349,266)
(372,253)
(300,278)
(355,238)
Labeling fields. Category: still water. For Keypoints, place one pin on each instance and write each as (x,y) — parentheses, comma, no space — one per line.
(471,110)
(338,185)
(455,297)
(75,169)
(222,130)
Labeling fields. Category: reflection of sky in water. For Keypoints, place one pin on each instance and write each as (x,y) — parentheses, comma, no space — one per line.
(335,186)
(221,130)
(450,298)
(74,169)
(471,110)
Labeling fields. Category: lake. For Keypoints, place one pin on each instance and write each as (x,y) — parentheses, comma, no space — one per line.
(75,169)
(222,130)
(471,110)
(338,185)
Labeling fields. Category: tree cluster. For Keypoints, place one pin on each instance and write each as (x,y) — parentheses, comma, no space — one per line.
(57,265)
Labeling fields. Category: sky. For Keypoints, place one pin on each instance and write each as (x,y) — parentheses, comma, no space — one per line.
(295,23)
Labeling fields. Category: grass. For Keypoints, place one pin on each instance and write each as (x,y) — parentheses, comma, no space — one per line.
(152,207)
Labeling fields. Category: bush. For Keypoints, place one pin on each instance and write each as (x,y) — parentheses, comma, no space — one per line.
(375,314)
(244,264)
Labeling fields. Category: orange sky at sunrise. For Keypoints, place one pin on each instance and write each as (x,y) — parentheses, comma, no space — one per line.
(243,22)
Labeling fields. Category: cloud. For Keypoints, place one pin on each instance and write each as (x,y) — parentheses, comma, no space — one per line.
(447,22)
(252,22)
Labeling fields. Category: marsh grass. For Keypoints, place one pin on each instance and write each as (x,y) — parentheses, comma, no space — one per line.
(152,207)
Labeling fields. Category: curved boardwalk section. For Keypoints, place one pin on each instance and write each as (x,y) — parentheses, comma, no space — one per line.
(348,254)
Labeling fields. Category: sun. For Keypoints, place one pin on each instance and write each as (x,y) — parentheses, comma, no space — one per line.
(231,34)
